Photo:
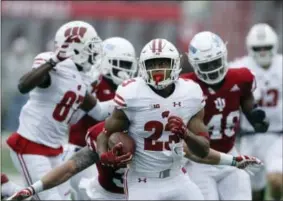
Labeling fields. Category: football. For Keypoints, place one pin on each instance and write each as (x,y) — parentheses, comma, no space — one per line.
(127,141)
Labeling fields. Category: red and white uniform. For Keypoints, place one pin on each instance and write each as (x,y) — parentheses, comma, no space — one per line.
(104,91)
(267,146)
(44,123)
(155,171)
(108,184)
(222,115)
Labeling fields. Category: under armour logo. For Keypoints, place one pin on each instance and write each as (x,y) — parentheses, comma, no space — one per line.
(140,180)
(220,104)
(177,103)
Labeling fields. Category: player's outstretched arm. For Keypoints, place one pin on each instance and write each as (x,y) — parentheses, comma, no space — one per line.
(217,158)
(197,139)
(117,122)
(256,117)
(78,162)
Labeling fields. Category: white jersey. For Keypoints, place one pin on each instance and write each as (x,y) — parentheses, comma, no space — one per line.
(269,83)
(44,118)
(148,115)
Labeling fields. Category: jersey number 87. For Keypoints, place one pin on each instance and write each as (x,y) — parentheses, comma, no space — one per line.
(62,109)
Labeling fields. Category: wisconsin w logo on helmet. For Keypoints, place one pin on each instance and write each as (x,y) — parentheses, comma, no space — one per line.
(75,31)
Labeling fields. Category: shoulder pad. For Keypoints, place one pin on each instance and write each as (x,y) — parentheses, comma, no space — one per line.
(127,91)
(192,89)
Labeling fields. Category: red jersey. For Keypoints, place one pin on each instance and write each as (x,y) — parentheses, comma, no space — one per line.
(104,91)
(222,109)
(111,179)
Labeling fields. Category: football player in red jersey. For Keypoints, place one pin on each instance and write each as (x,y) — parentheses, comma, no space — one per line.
(227,91)
(119,63)
(109,182)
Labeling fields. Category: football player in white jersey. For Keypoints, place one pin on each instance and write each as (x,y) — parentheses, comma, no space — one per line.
(57,89)
(157,110)
(118,64)
(266,63)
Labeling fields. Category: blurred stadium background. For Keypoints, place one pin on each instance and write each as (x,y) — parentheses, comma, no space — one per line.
(28,27)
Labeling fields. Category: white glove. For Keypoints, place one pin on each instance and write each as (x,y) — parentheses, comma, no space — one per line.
(64,51)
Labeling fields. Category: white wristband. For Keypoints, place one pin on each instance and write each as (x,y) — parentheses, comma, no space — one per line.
(37,186)
(225,159)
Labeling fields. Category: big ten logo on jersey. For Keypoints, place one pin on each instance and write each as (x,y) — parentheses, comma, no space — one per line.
(69,102)
(75,31)
(157,128)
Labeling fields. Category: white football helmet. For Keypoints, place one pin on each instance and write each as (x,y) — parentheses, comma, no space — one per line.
(155,76)
(208,56)
(262,43)
(87,46)
(119,61)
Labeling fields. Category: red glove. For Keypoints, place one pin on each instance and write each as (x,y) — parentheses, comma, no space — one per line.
(177,126)
(244,162)
(23,194)
(112,159)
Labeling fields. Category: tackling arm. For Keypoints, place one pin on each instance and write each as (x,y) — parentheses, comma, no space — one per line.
(79,161)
